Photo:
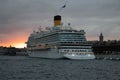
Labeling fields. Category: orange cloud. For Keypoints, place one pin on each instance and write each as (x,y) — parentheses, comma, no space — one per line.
(18,40)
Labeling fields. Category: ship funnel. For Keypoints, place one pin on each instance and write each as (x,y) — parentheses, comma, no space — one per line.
(57,20)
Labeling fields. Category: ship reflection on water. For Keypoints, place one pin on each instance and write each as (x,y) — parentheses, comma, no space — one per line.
(26,68)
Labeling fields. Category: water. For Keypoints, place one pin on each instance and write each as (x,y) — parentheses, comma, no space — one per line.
(26,68)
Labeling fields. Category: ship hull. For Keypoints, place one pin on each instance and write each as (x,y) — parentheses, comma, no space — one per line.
(55,54)
(52,53)
(81,57)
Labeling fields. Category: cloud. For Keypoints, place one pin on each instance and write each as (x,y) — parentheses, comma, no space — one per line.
(23,16)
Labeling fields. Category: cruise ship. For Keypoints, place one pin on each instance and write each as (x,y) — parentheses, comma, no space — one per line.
(59,42)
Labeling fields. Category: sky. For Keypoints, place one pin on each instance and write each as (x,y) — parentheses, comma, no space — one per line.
(18,18)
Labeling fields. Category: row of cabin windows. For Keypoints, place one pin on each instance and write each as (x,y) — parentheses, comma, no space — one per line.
(55,39)
(73,40)
(52,38)
(78,53)
(65,38)
(75,50)
(71,35)
(61,38)
(49,37)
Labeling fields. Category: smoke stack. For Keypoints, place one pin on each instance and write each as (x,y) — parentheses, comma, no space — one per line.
(57,20)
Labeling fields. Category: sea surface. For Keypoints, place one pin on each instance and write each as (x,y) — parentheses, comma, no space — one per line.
(27,68)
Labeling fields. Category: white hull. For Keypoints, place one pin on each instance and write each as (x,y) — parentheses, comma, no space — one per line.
(76,56)
(53,54)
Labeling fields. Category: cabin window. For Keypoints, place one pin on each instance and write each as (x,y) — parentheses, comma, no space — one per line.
(67,50)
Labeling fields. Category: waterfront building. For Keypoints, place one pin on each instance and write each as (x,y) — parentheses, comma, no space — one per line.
(101,38)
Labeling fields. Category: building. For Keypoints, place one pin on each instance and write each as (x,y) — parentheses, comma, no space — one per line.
(101,38)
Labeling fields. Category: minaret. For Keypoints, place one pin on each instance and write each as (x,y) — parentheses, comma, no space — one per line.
(101,37)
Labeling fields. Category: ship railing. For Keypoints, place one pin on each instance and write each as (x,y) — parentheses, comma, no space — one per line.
(74,43)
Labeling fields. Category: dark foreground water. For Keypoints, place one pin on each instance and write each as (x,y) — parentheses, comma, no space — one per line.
(26,68)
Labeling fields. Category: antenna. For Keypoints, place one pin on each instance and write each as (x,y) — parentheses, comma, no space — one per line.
(40,28)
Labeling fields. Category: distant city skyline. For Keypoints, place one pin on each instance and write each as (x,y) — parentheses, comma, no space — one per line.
(18,18)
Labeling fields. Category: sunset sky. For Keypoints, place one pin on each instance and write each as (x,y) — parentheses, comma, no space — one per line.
(18,18)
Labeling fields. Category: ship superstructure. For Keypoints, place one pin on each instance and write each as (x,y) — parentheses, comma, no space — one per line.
(59,42)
